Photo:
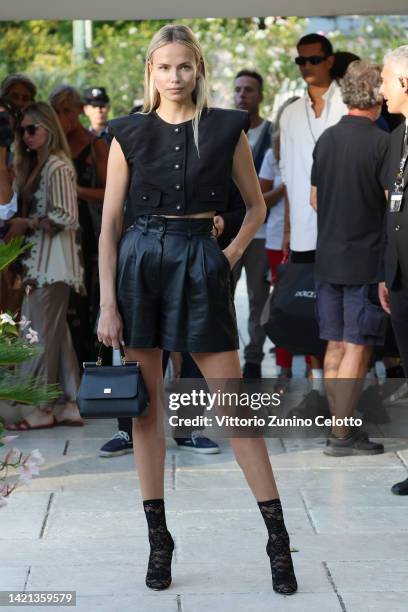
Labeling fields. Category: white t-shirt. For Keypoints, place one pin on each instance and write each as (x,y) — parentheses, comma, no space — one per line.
(253,135)
(299,131)
(275,223)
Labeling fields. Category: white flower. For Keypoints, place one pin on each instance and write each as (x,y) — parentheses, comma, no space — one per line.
(132,30)
(277,64)
(260,34)
(369,29)
(24,322)
(6,318)
(37,457)
(123,44)
(269,21)
(32,335)
(239,48)
(100,60)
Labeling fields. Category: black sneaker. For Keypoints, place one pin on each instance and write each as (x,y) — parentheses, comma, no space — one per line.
(356,443)
(198,443)
(400,488)
(120,444)
(251,370)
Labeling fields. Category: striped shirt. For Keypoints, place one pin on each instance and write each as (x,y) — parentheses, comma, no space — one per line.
(56,252)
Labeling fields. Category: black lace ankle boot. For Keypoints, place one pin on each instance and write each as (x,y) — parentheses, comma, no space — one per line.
(158,575)
(278,550)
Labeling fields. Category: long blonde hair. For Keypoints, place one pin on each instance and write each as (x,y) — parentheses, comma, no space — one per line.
(183,35)
(29,163)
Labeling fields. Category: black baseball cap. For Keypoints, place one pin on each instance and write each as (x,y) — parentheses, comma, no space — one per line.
(96,96)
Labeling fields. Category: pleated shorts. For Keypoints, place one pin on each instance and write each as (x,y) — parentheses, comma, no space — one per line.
(173,287)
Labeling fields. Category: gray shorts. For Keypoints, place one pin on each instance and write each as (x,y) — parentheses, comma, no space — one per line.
(351,313)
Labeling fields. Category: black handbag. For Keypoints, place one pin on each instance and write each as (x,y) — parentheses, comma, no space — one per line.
(109,392)
(292,323)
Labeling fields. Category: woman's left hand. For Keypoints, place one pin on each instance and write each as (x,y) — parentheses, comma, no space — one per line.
(232,255)
(18,226)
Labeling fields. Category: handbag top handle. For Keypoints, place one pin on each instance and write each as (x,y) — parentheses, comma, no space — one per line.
(122,355)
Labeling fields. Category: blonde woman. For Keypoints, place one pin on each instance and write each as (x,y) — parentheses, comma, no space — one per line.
(48,215)
(166,285)
(90,158)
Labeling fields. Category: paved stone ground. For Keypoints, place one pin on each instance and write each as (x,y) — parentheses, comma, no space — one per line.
(81,527)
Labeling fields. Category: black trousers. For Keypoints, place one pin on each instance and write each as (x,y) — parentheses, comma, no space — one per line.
(302,257)
(399,316)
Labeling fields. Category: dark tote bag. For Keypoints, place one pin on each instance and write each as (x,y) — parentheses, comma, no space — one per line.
(108,392)
(292,323)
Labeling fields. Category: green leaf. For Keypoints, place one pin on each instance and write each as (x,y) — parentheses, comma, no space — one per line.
(16,350)
(13,249)
(26,390)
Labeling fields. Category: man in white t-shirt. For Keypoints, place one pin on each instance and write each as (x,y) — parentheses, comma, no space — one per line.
(301,125)
(248,94)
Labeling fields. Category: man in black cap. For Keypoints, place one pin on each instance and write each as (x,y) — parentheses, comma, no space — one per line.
(96,108)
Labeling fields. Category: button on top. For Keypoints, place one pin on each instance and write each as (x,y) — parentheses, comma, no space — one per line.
(178,207)
(177,148)
(178,187)
(177,130)
(177,166)
(397,228)
(212,193)
(145,197)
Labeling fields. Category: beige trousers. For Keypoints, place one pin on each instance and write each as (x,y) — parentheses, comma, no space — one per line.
(46,308)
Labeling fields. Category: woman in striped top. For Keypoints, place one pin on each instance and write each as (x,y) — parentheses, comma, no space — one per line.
(48,216)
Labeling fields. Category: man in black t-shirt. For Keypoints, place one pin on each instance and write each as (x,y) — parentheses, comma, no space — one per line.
(349,179)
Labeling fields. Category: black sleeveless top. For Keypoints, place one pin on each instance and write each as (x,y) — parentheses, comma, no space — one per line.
(167,173)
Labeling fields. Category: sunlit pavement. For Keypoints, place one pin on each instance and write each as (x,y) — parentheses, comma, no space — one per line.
(81,527)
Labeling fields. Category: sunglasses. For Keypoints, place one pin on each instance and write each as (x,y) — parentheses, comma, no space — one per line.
(30,129)
(315,60)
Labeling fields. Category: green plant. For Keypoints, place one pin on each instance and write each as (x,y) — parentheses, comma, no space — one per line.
(17,342)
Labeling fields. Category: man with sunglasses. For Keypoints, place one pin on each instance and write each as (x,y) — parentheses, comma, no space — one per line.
(301,125)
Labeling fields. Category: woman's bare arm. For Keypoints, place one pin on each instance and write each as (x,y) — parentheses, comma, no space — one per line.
(110,324)
(245,177)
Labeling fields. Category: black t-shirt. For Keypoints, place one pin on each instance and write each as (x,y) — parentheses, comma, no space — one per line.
(350,171)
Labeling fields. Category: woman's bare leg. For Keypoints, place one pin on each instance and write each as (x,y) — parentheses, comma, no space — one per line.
(252,456)
(251,453)
(148,431)
(150,450)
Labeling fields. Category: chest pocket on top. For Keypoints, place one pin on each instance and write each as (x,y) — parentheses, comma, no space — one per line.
(145,197)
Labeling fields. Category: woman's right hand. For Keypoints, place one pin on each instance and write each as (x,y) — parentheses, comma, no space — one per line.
(110,327)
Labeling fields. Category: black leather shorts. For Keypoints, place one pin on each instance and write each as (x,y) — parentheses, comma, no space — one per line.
(173,287)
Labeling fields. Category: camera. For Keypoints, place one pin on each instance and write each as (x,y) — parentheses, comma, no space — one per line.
(6,133)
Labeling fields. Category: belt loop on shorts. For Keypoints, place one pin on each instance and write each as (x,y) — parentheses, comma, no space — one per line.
(189,230)
(146,225)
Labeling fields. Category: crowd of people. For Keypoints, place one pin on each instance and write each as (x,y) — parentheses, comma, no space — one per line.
(52,182)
